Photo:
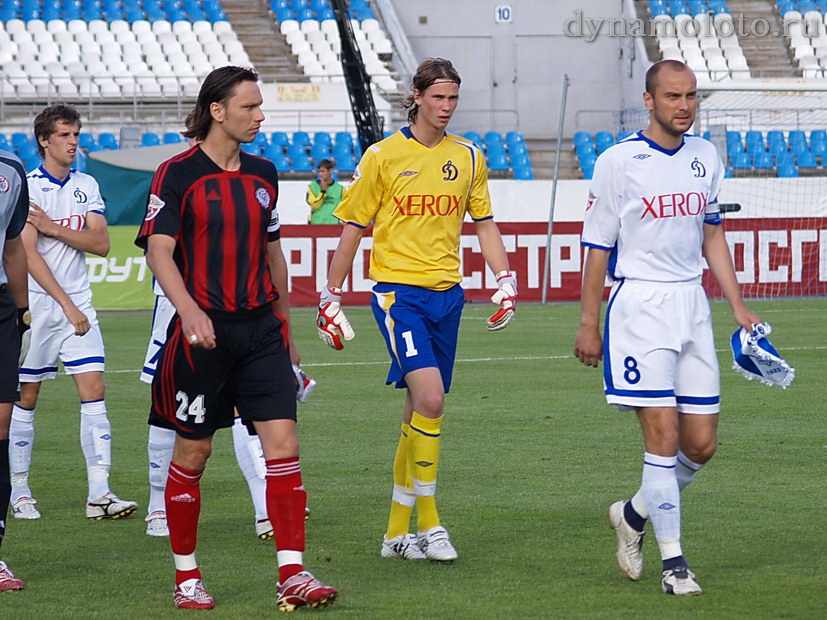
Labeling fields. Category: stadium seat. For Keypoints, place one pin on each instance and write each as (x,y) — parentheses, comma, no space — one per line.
(807,160)
(514,137)
(474,137)
(763,161)
(108,141)
(492,137)
(320,151)
(523,173)
(172,137)
(582,137)
(741,161)
(787,170)
(150,138)
(302,138)
(754,142)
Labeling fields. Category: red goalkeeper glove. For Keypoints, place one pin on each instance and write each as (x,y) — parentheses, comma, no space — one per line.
(506,297)
(331,322)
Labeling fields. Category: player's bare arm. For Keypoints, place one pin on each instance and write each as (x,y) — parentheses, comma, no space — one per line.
(45,278)
(196,325)
(278,275)
(716,253)
(331,323)
(94,238)
(343,256)
(588,346)
(14,264)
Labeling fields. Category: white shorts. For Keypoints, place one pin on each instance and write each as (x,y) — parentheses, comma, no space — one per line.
(53,339)
(658,348)
(161,318)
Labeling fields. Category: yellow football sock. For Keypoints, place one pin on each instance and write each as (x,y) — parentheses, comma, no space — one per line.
(424,455)
(403,492)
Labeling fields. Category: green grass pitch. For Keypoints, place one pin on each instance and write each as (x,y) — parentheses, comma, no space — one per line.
(531,459)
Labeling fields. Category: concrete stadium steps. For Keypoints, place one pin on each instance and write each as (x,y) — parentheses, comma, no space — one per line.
(768,56)
(266,46)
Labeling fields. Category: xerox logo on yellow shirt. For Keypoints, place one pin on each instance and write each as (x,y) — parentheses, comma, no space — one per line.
(426,204)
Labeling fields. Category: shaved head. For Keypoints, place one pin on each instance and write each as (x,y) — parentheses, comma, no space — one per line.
(654,71)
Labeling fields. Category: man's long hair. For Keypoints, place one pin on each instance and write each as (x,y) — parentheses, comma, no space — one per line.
(429,71)
(218,87)
(44,123)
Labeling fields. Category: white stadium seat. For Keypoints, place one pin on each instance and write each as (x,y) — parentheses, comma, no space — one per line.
(309,25)
(288,25)
(161,25)
(56,25)
(36,25)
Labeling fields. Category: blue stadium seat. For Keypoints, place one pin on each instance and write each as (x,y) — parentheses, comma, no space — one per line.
(784,159)
(819,149)
(818,136)
(787,171)
(322,137)
(492,137)
(4,143)
(741,161)
(777,148)
(622,135)
(346,163)
(18,139)
(583,151)
(279,138)
(260,139)
(807,160)
(763,161)
(754,141)
(86,141)
(797,137)
(474,137)
(604,138)
(582,137)
(588,170)
(252,148)
(302,164)
(776,136)
(514,137)
(341,151)
(498,162)
(320,151)
(495,149)
(520,161)
(108,141)
(173,137)
(523,173)
(343,137)
(518,148)
(302,138)
(150,138)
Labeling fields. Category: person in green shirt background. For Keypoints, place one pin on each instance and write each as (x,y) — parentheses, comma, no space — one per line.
(323,195)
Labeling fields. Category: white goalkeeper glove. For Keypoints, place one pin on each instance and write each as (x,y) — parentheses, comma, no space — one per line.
(24,320)
(331,321)
(506,298)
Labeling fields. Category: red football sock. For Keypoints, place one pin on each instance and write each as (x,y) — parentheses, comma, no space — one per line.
(183,503)
(286,501)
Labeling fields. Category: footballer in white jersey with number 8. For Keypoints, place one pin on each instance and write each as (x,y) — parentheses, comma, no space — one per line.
(65,222)
(651,217)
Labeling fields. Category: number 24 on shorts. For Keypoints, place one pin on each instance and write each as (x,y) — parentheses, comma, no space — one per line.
(186,409)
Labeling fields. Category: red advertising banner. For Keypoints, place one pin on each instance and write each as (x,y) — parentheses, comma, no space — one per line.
(772,257)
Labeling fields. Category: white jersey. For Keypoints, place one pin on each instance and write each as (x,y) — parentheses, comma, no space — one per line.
(647,205)
(67,203)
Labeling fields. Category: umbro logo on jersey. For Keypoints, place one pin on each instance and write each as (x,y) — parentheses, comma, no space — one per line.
(46,189)
(4,185)
(698,168)
(450,171)
(641,156)
(408,173)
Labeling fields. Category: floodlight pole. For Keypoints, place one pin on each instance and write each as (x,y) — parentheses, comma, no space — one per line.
(547,262)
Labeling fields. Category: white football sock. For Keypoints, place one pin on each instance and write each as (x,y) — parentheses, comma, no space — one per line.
(686,470)
(250,459)
(21,441)
(159,449)
(96,443)
(663,499)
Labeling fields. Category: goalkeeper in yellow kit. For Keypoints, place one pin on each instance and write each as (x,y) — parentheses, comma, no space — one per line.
(416,186)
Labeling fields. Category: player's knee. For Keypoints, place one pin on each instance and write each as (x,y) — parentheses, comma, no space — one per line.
(702,452)
(430,405)
(28,395)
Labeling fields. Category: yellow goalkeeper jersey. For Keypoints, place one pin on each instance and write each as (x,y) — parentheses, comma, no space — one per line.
(417,198)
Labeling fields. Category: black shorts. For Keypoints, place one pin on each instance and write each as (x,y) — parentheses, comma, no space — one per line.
(10,351)
(195,390)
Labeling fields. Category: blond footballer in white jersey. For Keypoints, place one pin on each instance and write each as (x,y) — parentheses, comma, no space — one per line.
(650,218)
(65,222)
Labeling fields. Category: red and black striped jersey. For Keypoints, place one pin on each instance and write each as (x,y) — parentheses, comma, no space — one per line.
(222,222)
